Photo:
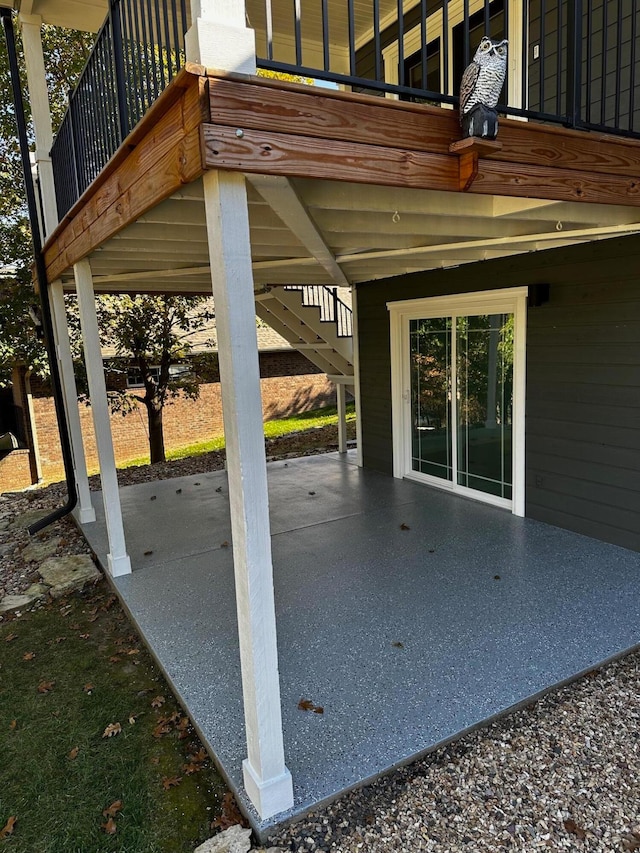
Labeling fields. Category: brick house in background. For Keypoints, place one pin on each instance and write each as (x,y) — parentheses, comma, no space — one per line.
(289,383)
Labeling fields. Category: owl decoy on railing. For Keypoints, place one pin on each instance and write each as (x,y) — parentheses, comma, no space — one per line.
(480,89)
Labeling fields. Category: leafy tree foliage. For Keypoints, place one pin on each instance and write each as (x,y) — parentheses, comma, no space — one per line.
(153,333)
(65,54)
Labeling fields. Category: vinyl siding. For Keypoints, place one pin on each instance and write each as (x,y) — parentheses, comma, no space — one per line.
(583,379)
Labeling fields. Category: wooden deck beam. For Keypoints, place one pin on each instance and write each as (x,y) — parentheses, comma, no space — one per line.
(208,120)
(156,159)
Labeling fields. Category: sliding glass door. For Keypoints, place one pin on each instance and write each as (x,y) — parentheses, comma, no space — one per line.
(458,395)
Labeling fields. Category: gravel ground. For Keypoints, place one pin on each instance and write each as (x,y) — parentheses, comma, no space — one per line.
(561,774)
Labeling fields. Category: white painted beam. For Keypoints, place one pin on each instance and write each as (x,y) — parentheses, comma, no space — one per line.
(266,778)
(84,510)
(118,562)
(279,193)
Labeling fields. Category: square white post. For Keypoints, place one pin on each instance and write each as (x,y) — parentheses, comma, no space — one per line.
(118,562)
(356,371)
(266,779)
(341,398)
(219,38)
(84,510)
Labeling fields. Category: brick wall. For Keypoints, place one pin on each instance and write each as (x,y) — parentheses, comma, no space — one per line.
(185,421)
(15,471)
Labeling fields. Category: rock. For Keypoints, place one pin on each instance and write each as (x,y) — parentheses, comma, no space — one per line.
(40,549)
(65,574)
(28,518)
(36,592)
(236,839)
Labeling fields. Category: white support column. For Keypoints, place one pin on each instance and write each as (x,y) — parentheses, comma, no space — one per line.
(341,398)
(219,38)
(266,778)
(118,562)
(84,511)
(356,373)
(39,101)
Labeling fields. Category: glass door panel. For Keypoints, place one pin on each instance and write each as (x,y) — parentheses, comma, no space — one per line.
(484,403)
(430,354)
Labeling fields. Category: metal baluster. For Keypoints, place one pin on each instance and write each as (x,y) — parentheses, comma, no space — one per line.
(603,85)
(632,66)
(352,37)
(574,61)
(618,65)
(326,57)
(118,68)
(376,39)
(400,12)
(297,11)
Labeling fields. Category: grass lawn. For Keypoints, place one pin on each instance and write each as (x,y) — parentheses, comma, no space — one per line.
(70,673)
(315,419)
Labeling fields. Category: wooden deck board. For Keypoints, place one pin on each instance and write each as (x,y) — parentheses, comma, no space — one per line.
(206,119)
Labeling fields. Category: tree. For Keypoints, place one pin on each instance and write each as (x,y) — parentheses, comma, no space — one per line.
(65,55)
(153,333)
(150,331)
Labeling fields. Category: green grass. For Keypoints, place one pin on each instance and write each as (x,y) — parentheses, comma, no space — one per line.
(325,416)
(58,800)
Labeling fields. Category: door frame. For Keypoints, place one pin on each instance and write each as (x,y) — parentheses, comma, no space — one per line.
(512,300)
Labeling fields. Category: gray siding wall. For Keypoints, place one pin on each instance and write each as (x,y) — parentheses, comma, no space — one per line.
(583,379)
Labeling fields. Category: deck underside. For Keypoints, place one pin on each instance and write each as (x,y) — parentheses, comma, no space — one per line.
(406,637)
(343,188)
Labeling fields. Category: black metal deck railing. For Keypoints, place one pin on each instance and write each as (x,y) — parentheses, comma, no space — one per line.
(138,51)
(575,63)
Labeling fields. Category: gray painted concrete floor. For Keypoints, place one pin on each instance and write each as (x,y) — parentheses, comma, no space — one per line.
(490,611)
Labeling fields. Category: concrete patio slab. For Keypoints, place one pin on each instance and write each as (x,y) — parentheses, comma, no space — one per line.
(406,637)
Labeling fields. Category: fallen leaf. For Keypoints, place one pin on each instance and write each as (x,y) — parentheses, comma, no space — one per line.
(148,553)
(178,491)
(13,724)
(113,809)
(196,484)
(158,702)
(108,604)
(152,498)
(110,826)
(404,526)
(74,753)
(305,705)
(84,636)
(114,659)
(74,627)
(45,686)
(133,652)
(94,617)
(88,688)
(28,656)
(397,645)
(10,637)
(59,640)
(230,814)
(224,544)
(7,829)
(171,782)
(312,493)
(161,729)
(112,729)
(631,841)
(154,760)
(572,827)
(496,577)
(200,756)
(318,709)
(132,719)
(219,489)
(183,724)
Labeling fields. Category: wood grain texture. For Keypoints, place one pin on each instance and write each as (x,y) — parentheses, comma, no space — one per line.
(496,177)
(162,154)
(303,156)
(291,108)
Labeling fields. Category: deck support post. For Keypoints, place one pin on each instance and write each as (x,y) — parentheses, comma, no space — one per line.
(84,511)
(220,38)
(356,371)
(118,562)
(341,399)
(41,114)
(266,778)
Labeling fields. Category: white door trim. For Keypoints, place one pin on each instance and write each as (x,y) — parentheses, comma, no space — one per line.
(511,300)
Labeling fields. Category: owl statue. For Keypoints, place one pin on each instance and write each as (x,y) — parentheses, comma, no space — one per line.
(480,89)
